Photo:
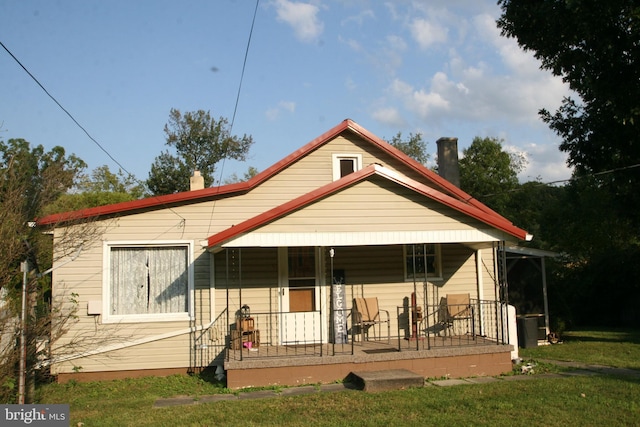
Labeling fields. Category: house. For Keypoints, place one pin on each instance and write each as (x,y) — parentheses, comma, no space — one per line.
(260,277)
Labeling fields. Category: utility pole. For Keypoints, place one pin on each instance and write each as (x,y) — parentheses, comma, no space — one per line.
(24,267)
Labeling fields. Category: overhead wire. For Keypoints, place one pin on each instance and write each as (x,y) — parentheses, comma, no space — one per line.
(76,121)
(64,109)
(237,102)
(560,181)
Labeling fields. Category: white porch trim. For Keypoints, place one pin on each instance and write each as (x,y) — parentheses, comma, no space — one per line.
(340,238)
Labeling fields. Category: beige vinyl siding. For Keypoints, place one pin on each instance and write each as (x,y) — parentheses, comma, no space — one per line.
(83,279)
(166,353)
(488,274)
(256,274)
(369,205)
(315,170)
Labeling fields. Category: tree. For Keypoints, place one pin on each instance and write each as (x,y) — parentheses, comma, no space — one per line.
(593,45)
(414,146)
(200,142)
(30,178)
(250,173)
(101,187)
(489,173)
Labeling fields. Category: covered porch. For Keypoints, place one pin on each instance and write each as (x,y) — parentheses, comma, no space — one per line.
(286,285)
(260,341)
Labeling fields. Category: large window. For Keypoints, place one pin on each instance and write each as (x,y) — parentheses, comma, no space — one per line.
(421,258)
(148,282)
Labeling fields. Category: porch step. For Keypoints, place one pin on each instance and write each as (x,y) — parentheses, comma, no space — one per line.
(393,379)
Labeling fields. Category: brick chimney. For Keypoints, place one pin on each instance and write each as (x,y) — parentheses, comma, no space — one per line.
(196,182)
(448,160)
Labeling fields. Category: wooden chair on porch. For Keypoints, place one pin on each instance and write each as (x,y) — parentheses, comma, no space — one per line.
(367,314)
(459,309)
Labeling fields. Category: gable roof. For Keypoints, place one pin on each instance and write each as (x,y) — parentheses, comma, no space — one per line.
(264,218)
(166,201)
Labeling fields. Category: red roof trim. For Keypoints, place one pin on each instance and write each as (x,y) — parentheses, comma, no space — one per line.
(232,189)
(194,196)
(496,221)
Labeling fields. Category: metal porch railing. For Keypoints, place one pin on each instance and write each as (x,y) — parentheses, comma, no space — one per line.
(310,334)
(481,322)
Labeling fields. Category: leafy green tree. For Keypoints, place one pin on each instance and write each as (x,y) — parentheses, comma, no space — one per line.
(30,178)
(250,173)
(489,173)
(533,207)
(414,146)
(200,142)
(101,187)
(593,45)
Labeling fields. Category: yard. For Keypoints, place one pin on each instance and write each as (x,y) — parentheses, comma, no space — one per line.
(575,400)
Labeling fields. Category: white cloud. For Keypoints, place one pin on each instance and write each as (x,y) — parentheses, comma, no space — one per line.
(544,160)
(302,17)
(274,113)
(389,116)
(428,33)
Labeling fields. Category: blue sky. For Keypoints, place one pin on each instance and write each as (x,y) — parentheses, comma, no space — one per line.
(439,68)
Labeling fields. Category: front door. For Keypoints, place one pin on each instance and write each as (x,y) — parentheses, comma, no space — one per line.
(300,295)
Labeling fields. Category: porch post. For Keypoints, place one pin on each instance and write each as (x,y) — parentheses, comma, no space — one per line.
(480,282)
(544,296)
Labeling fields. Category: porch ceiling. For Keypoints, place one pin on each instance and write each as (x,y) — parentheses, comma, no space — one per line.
(476,238)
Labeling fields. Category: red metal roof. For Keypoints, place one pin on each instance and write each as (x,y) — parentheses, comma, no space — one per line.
(158,202)
(489,218)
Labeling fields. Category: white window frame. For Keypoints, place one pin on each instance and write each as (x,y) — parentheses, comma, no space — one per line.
(336,157)
(438,263)
(107,317)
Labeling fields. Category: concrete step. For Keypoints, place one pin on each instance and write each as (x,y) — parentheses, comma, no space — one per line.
(393,379)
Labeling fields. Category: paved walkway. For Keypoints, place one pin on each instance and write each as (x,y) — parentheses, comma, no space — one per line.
(579,369)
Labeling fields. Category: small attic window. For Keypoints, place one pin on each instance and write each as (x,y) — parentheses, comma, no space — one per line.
(344,164)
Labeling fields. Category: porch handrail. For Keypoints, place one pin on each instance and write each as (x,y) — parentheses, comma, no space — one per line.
(483,320)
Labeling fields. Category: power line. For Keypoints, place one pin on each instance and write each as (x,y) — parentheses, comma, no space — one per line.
(235,108)
(560,181)
(76,122)
(244,66)
(65,110)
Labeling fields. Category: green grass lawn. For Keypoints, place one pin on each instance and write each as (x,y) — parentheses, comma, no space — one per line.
(537,401)
(619,348)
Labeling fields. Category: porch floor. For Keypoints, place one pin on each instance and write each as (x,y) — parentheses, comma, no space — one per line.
(451,357)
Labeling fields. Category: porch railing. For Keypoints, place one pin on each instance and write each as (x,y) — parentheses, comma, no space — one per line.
(209,343)
(481,322)
(287,334)
(312,334)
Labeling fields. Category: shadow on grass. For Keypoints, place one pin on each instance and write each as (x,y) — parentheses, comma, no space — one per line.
(603,335)
(208,375)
